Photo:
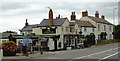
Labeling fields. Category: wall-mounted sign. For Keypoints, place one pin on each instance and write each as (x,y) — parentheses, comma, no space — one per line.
(49,31)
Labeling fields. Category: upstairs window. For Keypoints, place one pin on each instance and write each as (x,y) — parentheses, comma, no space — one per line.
(85,29)
(110,28)
(72,29)
(104,28)
(93,29)
(98,27)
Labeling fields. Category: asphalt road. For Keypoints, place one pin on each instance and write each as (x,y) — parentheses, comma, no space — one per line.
(99,53)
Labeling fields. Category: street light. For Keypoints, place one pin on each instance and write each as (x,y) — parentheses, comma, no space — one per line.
(113,15)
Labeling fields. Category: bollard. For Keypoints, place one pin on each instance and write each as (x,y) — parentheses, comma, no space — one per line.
(27,54)
(41,50)
(1,54)
(31,51)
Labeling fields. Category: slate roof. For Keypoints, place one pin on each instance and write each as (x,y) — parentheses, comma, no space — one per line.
(84,23)
(28,27)
(56,22)
(99,20)
(6,35)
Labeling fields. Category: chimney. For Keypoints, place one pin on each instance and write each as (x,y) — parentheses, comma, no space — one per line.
(73,16)
(50,17)
(84,14)
(103,17)
(26,24)
(56,17)
(59,16)
(97,14)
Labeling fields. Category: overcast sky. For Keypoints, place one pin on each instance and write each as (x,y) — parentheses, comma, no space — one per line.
(14,12)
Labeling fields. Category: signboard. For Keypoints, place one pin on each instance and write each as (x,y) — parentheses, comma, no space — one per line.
(49,31)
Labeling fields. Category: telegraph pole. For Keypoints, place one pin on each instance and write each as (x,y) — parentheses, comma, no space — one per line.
(114,15)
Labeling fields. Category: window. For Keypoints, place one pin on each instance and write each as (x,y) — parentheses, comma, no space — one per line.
(85,29)
(72,29)
(76,31)
(67,29)
(104,28)
(93,29)
(62,28)
(98,27)
(110,28)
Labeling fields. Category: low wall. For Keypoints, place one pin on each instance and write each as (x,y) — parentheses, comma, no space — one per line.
(1,54)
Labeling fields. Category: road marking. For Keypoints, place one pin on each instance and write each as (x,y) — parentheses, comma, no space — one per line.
(108,56)
(97,53)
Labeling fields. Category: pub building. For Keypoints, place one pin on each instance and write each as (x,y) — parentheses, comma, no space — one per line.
(55,34)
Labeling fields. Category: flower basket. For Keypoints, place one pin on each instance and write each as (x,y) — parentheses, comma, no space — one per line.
(9,48)
(70,37)
(9,53)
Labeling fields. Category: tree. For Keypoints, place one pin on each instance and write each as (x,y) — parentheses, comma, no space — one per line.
(116,32)
(9,32)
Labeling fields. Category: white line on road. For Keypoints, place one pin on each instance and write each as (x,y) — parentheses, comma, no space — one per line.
(108,56)
(97,53)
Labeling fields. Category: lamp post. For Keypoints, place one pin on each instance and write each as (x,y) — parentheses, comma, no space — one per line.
(114,15)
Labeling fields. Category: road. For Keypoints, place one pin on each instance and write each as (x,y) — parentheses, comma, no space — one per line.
(99,53)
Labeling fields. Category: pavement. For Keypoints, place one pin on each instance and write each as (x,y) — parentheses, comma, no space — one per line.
(20,56)
(93,53)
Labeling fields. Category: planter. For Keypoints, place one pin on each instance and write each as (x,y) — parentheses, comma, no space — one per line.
(9,53)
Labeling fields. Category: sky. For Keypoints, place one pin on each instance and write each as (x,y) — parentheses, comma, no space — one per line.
(13,13)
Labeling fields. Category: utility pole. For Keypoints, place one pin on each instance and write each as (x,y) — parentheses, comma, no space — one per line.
(114,15)
(119,13)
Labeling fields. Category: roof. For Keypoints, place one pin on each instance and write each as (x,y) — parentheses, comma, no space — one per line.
(83,23)
(72,23)
(99,20)
(56,22)
(6,35)
(28,27)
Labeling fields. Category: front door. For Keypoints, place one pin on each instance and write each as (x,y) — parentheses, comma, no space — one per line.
(55,44)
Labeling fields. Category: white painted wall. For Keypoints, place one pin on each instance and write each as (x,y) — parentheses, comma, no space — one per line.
(51,44)
(88,30)
(37,31)
(101,28)
(26,32)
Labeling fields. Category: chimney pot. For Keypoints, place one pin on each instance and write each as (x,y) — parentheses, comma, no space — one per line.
(73,16)
(103,17)
(85,13)
(59,16)
(97,14)
(26,23)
